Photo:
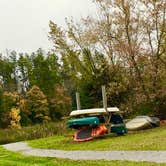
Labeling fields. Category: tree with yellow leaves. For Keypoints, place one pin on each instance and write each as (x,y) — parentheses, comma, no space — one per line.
(15,118)
(9,100)
(36,105)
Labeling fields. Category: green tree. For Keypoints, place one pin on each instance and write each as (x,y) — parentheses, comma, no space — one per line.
(7,78)
(42,70)
(81,69)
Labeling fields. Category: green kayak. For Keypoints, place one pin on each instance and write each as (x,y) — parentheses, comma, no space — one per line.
(75,123)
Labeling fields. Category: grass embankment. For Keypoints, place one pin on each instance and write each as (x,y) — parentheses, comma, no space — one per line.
(152,139)
(16,159)
(32,132)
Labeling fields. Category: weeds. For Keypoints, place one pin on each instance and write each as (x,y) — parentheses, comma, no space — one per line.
(32,132)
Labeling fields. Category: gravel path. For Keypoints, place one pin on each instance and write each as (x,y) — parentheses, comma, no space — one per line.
(149,156)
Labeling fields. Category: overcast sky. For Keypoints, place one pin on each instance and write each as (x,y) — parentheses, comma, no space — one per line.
(24,23)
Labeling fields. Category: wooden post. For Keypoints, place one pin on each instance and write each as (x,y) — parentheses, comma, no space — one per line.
(104,97)
(78,101)
(108,116)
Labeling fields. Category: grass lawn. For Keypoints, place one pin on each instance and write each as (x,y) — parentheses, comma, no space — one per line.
(152,139)
(16,159)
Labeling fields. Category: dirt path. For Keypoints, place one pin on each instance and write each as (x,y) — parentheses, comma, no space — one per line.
(149,156)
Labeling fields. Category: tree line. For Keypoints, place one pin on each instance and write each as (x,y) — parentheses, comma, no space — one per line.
(31,89)
(123,47)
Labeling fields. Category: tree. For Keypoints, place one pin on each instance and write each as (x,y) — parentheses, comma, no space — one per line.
(9,101)
(7,78)
(1,103)
(37,106)
(80,65)
(131,37)
(24,67)
(42,70)
(60,103)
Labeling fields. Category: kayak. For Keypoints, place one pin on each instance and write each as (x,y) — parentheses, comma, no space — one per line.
(87,133)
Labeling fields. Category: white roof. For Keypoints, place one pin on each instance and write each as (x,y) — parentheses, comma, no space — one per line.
(94,111)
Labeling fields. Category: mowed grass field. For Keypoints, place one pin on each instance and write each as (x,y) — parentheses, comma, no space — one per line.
(16,159)
(151,139)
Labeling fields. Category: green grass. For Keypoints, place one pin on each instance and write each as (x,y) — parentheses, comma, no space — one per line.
(152,139)
(16,159)
(32,132)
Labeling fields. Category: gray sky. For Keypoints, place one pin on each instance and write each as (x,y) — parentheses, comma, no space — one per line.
(24,23)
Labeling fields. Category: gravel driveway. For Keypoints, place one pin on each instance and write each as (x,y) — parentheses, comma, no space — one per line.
(149,156)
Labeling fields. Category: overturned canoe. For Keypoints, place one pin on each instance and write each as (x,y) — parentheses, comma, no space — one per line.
(94,111)
(76,123)
(142,122)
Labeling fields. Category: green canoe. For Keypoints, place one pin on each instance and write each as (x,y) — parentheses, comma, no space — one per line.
(75,123)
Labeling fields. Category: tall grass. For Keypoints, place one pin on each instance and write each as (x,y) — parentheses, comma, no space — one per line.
(32,132)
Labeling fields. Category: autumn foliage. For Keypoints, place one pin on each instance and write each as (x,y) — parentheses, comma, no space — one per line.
(33,107)
(15,118)
(122,47)
(131,36)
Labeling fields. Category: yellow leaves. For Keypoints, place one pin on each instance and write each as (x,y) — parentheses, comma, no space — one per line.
(36,104)
(15,118)
(14,96)
(40,115)
(22,103)
(47,118)
(43,101)
(15,125)
(14,114)
(22,106)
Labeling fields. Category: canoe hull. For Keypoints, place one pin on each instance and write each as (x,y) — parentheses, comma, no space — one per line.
(88,121)
(94,111)
(138,124)
(87,133)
